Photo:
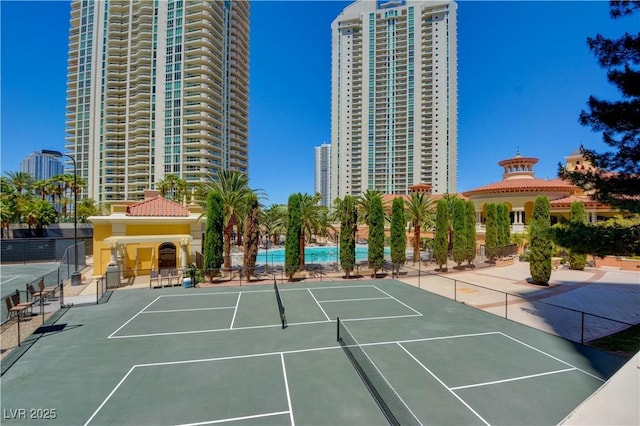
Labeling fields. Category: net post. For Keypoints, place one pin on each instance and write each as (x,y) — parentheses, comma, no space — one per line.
(338,328)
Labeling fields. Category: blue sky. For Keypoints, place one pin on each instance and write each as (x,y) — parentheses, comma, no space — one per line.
(524,75)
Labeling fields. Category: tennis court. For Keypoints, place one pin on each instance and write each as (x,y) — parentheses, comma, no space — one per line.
(222,356)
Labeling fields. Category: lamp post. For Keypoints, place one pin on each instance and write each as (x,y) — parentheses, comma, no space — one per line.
(75,275)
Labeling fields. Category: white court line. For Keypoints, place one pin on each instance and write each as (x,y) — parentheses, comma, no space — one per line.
(379,318)
(399,343)
(402,303)
(355,300)
(334,287)
(286,386)
(553,357)
(428,339)
(253,327)
(235,419)
(443,385)
(133,317)
(110,395)
(186,310)
(513,379)
(215,330)
(265,291)
(235,311)
(13,278)
(319,306)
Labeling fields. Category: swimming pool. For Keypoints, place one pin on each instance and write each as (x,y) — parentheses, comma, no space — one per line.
(327,254)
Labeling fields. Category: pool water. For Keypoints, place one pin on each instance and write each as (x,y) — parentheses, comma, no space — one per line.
(313,255)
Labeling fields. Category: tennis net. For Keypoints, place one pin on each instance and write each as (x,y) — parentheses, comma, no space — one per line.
(394,408)
(283,318)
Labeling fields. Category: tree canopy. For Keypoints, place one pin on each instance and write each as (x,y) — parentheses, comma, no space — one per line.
(294,230)
(398,234)
(441,235)
(376,234)
(616,178)
(347,215)
(541,248)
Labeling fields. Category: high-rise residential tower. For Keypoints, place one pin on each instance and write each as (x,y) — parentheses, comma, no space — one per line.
(394,97)
(156,88)
(41,166)
(322,173)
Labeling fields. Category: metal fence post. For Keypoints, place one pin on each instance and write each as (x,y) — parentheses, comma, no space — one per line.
(506,303)
(455,290)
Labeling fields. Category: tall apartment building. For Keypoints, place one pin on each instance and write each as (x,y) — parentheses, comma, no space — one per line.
(394,97)
(322,173)
(41,166)
(156,88)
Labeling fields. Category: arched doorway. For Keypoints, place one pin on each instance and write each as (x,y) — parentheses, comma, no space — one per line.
(167,256)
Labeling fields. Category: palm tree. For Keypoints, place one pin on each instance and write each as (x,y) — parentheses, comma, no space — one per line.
(233,187)
(86,207)
(40,214)
(41,187)
(21,181)
(58,189)
(420,213)
(6,187)
(364,205)
(8,214)
(312,219)
(68,181)
(273,221)
(172,187)
(77,185)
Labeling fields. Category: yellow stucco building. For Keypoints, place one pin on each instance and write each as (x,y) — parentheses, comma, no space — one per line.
(152,234)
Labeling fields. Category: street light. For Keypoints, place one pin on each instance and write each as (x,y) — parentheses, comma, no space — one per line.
(75,275)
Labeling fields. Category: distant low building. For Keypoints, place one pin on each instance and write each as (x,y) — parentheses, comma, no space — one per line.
(155,233)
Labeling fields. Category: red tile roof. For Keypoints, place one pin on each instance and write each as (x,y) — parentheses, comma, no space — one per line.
(522,185)
(388,198)
(158,207)
(566,201)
